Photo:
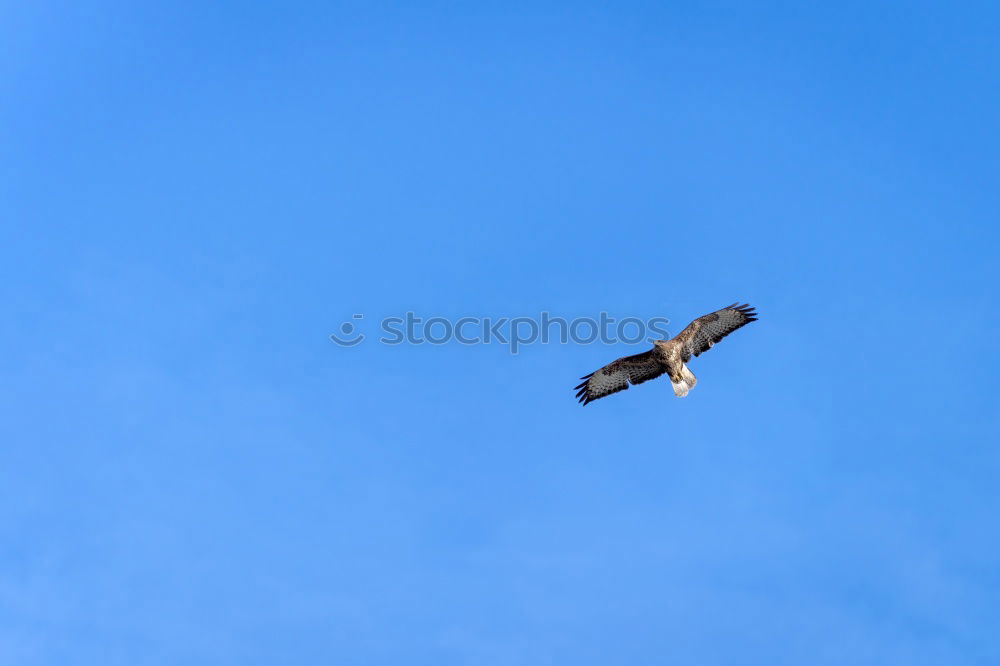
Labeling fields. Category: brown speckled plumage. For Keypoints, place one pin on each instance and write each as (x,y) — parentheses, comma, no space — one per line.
(666,356)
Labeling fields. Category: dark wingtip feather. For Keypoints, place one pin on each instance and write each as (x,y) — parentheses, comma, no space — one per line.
(583,391)
(746,310)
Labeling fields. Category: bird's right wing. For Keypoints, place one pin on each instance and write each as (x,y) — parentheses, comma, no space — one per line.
(616,376)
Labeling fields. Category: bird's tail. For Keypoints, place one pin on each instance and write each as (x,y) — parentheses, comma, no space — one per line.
(687,382)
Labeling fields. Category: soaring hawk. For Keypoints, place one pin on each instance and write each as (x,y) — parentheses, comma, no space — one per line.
(667,356)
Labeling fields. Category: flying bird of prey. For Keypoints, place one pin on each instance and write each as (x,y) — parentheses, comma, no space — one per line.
(667,356)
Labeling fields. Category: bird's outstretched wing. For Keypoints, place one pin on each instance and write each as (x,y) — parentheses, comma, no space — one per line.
(616,376)
(703,332)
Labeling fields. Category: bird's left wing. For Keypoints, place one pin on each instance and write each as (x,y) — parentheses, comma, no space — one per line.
(617,375)
(701,334)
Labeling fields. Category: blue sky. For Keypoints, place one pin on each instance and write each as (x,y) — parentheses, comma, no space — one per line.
(195,195)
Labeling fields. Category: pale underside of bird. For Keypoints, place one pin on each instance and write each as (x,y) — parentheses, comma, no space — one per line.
(669,357)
